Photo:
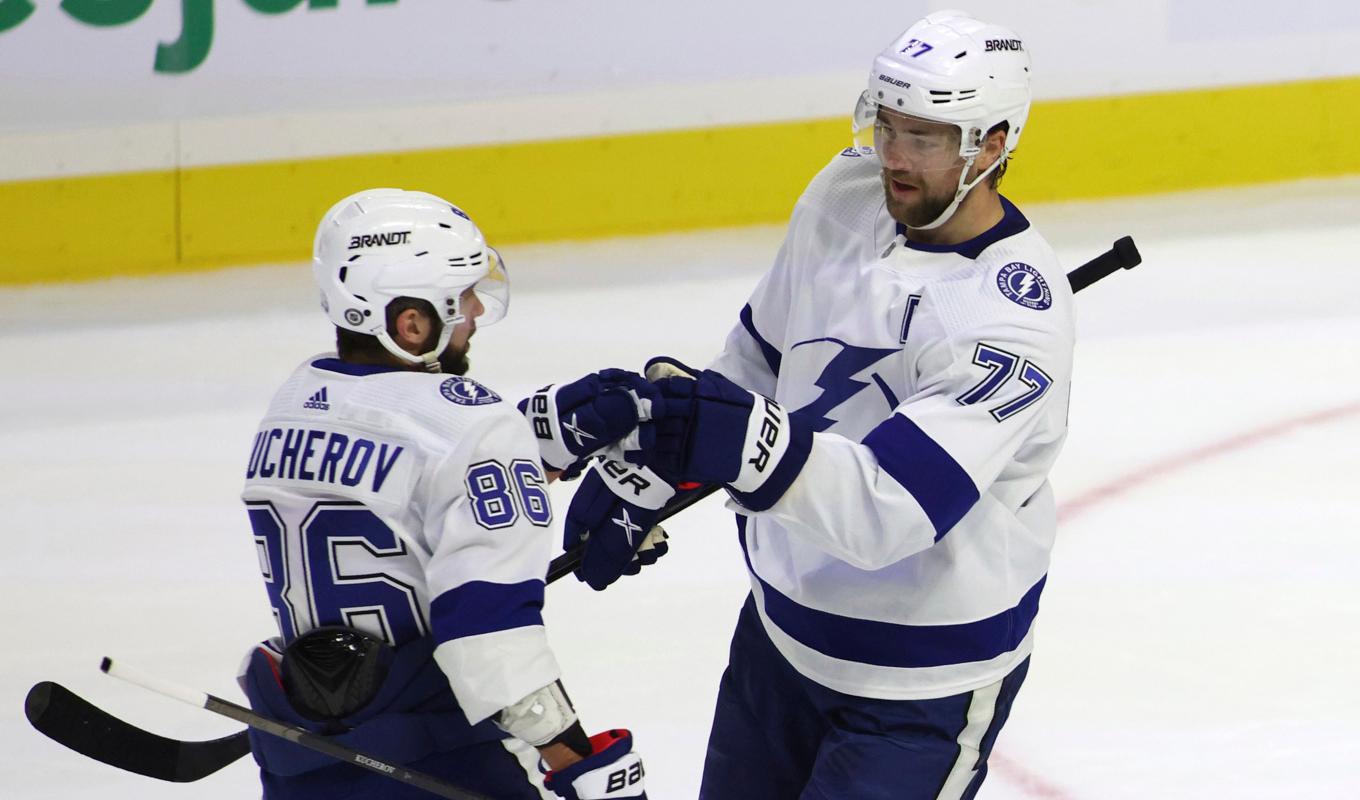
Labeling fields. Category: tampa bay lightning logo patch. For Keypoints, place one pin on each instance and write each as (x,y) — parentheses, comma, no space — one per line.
(467,392)
(1022,284)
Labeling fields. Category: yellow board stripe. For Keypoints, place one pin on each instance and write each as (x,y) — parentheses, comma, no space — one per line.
(1174,141)
(79,228)
(182,220)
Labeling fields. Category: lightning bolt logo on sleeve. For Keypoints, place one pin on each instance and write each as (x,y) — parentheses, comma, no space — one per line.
(839,381)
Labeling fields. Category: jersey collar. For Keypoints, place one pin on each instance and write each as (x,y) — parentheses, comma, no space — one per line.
(1012,222)
(346,368)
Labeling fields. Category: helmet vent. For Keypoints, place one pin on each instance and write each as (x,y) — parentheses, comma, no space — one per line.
(939,96)
(354,257)
(445,225)
(349,212)
(474,260)
(422,253)
(961,54)
(343,272)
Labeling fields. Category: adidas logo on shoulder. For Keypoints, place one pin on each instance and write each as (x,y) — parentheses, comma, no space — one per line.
(318,401)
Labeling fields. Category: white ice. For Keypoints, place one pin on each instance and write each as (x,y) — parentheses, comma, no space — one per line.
(1199,635)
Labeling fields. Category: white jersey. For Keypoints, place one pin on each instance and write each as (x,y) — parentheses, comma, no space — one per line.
(907,559)
(407,504)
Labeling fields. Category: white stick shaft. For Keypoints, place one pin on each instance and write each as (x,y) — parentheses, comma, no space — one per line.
(158,685)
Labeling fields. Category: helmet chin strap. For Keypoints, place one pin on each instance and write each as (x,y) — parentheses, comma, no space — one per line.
(963,190)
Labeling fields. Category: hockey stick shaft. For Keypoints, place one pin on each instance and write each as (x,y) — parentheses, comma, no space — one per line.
(1123,255)
(294,734)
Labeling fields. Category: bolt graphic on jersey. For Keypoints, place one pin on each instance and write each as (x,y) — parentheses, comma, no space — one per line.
(576,431)
(1023,285)
(838,382)
(629,527)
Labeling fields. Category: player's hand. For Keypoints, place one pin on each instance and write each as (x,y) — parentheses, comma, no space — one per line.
(611,771)
(575,420)
(613,514)
(710,430)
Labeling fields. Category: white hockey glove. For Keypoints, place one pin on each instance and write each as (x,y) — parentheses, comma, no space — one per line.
(612,771)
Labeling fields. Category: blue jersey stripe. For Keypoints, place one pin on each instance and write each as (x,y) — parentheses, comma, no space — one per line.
(479,607)
(890,644)
(772,356)
(934,478)
(347,368)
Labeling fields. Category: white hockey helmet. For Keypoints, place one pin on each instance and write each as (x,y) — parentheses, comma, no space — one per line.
(953,69)
(380,244)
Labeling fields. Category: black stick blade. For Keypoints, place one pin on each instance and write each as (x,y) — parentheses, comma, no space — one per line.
(68,719)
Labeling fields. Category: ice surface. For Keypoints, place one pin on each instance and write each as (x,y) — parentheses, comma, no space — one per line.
(1200,633)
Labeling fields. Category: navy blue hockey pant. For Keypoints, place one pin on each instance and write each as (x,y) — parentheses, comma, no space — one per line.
(487,768)
(413,720)
(779,736)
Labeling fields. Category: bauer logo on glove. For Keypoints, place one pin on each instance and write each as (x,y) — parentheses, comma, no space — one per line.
(613,771)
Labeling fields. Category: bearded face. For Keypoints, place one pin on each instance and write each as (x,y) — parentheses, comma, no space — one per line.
(921,166)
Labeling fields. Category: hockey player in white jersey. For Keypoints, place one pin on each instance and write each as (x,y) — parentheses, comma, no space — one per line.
(402,522)
(884,416)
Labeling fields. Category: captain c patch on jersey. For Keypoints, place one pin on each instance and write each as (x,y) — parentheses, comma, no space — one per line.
(1023,284)
(467,392)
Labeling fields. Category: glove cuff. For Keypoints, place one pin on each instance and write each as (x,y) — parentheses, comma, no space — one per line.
(636,485)
(777,447)
(540,408)
(612,770)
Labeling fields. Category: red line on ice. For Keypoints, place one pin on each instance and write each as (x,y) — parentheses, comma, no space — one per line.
(1015,773)
(1166,466)
(1021,778)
